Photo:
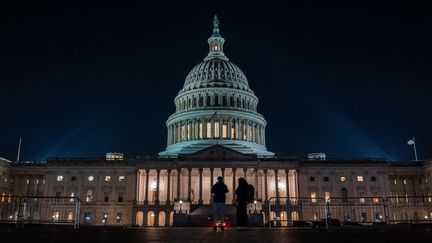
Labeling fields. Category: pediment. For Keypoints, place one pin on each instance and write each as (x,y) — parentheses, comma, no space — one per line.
(218,152)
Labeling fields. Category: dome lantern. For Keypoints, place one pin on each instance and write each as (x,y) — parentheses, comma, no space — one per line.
(216,42)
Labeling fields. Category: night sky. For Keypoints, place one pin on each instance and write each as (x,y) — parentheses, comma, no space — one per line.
(80,80)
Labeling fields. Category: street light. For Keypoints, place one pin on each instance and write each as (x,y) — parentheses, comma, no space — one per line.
(181,202)
(255,203)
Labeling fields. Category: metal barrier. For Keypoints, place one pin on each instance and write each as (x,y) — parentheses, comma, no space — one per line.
(40,210)
(295,211)
(409,209)
(353,210)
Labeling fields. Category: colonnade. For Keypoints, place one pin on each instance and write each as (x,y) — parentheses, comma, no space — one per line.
(216,128)
(164,186)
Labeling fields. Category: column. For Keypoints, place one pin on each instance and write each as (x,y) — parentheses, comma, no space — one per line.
(204,128)
(220,129)
(234,184)
(287,182)
(175,133)
(245,173)
(256,183)
(157,186)
(138,186)
(186,131)
(276,186)
(200,201)
(169,188)
(212,129)
(265,186)
(229,128)
(178,183)
(146,186)
(211,183)
(236,127)
(253,132)
(189,184)
(247,131)
(196,129)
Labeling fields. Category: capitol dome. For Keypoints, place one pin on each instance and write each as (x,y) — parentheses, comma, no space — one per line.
(216,106)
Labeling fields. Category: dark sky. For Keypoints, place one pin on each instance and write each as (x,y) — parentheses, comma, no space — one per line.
(348,79)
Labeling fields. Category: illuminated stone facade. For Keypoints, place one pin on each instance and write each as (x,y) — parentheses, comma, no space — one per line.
(215,131)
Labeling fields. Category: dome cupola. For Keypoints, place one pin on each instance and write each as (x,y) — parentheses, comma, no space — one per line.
(216,106)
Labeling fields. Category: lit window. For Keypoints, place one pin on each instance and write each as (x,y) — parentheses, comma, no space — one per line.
(56,215)
(5,180)
(362,200)
(122,178)
(37,181)
(313,197)
(216,129)
(342,178)
(107,178)
(70,216)
(376,200)
(90,178)
(327,196)
(59,178)
(208,130)
(225,130)
(360,178)
(404,182)
(89,195)
(28,181)
(395,182)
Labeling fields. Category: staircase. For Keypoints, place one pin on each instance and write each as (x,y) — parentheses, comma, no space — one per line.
(202,216)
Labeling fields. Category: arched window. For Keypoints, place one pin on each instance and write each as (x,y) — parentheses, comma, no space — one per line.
(193,102)
(201,101)
(224,101)
(238,102)
(208,101)
(243,105)
(216,100)
(231,101)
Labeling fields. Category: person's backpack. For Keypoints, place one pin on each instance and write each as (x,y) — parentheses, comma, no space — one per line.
(250,194)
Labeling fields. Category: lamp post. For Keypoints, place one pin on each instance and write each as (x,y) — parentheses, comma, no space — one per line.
(255,203)
(181,202)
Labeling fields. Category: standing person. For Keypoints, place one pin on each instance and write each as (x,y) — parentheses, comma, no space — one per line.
(218,191)
(242,197)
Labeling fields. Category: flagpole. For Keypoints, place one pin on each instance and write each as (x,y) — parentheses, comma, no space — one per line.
(415,150)
(19,150)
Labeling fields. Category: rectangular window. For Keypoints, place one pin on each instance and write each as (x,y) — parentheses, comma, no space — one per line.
(73,178)
(208,130)
(360,178)
(87,217)
(122,178)
(216,128)
(225,130)
(326,196)
(106,196)
(373,178)
(56,215)
(376,200)
(107,178)
(120,197)
(118,217)
(70,216)
(58,194)
(59,178)
(200,127)
(325,178)
(311,178)
(313,197)
(189,131)
(233,134)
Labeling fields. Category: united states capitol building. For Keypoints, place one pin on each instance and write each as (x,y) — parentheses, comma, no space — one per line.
(216,130)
